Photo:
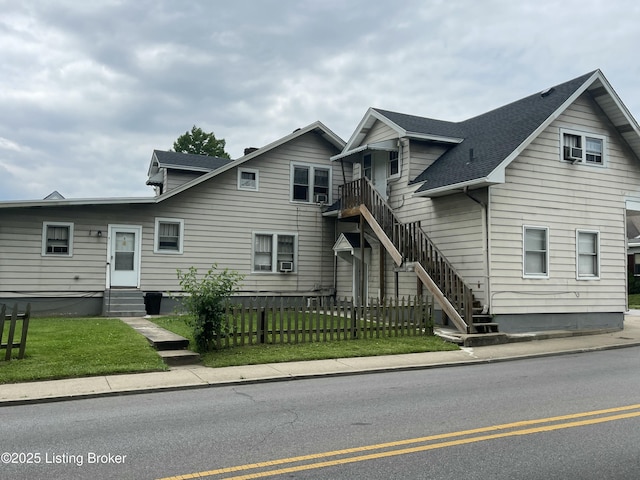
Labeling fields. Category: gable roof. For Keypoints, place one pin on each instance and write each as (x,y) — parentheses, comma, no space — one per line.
(483,146)
(181,161)
(187,161)
(491,138)
(317,128)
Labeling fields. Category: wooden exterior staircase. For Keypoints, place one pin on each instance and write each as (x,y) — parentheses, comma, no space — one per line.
(408,245)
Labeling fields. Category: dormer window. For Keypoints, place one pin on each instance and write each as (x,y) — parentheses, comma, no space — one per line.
(583,148)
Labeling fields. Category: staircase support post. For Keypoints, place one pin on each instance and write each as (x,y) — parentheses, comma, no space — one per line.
(439,297)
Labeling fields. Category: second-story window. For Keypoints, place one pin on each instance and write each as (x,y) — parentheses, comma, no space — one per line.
(310,183)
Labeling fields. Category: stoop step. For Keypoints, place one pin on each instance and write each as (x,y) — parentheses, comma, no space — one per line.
(175,358)
(171,347)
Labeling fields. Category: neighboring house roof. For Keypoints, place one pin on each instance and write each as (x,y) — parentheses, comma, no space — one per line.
(483,146)
(181,161)
(55,195)
(317,127)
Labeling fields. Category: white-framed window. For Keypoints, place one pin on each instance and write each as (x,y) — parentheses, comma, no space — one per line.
(535,252)
(587,254)
(248,179)
(367,166)
(584,148)
(57,239)
(274,252)
(169,235)
(394,165)
(310,183)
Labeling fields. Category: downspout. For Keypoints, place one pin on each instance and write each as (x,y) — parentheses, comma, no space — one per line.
(485,214)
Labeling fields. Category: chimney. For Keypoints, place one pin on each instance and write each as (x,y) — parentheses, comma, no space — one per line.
(249,150)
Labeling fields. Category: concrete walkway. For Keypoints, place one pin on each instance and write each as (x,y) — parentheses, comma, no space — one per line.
(179,378)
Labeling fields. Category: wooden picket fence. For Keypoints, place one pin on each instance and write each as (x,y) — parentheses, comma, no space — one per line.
(276,321)
(12,321)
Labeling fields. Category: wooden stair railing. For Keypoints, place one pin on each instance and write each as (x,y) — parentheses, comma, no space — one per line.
(408,243)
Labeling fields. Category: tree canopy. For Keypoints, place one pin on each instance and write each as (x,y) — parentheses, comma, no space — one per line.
(199,142)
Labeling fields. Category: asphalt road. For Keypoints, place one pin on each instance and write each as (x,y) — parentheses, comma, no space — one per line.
(572,416)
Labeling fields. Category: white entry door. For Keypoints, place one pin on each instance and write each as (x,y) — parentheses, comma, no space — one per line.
(124,255)
(375,168)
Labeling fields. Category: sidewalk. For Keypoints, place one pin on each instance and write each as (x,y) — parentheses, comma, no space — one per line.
(179,378)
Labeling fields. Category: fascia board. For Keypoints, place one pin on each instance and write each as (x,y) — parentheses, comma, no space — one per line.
(385,146)
(371,114)
(448,189)
(78,202)
(433,138)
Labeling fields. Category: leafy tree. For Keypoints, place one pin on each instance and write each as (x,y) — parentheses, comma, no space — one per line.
(200,143)
(206,301)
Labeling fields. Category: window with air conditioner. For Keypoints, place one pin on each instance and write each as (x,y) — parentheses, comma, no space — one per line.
(274,252)
(582,148)
(57,239)
(310,183)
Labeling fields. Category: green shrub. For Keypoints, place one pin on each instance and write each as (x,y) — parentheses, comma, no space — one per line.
(206,301)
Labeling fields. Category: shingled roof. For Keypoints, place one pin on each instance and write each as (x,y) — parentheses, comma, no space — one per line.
(482,146)
(188,161)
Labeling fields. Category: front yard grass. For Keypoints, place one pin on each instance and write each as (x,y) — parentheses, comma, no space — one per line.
(78,347)
(270,353)
(634,300)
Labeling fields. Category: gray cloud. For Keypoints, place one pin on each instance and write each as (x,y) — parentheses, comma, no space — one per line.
(89,89)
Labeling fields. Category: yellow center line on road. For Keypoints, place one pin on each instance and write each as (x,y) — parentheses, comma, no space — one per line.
(516,427)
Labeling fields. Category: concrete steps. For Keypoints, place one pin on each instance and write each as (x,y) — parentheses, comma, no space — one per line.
(170,346)
(123,302)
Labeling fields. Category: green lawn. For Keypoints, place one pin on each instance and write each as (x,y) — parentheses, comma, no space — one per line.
(78,347)
(634,300)
(268,353)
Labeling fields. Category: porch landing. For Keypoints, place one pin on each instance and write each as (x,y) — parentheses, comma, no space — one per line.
(486,339)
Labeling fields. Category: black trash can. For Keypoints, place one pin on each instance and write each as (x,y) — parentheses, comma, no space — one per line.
(152,301)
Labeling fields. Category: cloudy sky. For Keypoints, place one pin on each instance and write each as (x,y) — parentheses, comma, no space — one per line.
(89,89)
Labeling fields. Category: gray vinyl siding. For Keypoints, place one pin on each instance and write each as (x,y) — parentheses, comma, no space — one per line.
(542,190)
(23,268)
(218,220)
(378,133)
(175,178)
(422,156)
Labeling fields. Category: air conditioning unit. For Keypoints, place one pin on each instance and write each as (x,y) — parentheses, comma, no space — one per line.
(320,198)
(285,267)
(572,153)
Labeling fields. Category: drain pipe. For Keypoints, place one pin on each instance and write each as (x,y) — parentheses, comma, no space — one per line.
(485,213)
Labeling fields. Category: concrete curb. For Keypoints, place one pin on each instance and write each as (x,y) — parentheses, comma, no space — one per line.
(346,371)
